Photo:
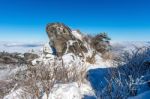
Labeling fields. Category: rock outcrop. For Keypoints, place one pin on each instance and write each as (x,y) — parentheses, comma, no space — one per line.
(68,45)
(17,58)
(28,57)
(64,40)
(11,58)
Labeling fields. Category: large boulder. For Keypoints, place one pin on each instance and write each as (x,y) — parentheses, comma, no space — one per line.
(29,57)
(64,40)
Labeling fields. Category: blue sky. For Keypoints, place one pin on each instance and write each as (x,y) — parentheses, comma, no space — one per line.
(123,20)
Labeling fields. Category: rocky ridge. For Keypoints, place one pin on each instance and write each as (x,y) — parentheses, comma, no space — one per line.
(67,43)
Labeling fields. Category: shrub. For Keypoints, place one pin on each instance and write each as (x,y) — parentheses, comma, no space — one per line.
(132,73)
(101,42)
(41,78)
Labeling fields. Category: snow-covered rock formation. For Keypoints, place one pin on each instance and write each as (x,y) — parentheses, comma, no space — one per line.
(70,45)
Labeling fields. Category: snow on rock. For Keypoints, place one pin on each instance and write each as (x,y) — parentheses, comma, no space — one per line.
(77,35)
(71,59)
(46,56)
(47,49)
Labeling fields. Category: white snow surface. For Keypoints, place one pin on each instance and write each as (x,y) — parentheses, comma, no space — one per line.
(19,94)
(59,91)
(47,48)
(77,35)
(64,91)
(71,91)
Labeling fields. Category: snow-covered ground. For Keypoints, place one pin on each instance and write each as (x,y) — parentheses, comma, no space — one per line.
(96,73)
(6,72)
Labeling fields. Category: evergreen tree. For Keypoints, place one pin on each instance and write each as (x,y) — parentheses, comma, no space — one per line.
(101,42)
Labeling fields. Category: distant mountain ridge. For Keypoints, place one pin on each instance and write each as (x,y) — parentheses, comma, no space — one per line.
(20,47)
